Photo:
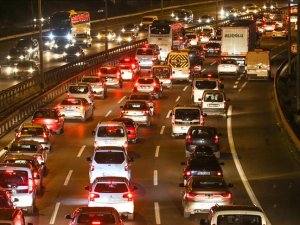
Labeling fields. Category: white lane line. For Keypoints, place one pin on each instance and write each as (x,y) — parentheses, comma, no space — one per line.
(162,129)
(157,151)
(157,214)
(244,84)
(53,217)
(184,89)
(169,113)
(107,114)
(177,99)
(213,63)
(121,99)
(234,86)
(81,151)
(68,178)
(237,82)
(155,181)
(203,70)
(238,164)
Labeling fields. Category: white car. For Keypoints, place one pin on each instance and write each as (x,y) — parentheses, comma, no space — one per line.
(269,26)
(279,32)
(81,90)
(144,97)
(127,72)
(109,161)
(83,39)
(113,192)
(228,66)
(97,84)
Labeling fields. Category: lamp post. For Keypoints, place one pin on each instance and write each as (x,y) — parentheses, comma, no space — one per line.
(42,76)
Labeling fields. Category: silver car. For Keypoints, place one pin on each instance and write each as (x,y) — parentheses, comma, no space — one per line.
(74,108)
(81,90)
(144,97)
(97,84)
(138,111)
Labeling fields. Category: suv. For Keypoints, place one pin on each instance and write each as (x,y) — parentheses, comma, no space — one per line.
(150,85)
(12,217)
(51,118)
(110,133)
(95,215)
(97,84)
(111,76)
(185,116)
(113,192)
(109,161)
(81,90)
(18,179)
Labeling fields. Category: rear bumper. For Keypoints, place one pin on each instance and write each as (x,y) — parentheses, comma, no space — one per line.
(122,208)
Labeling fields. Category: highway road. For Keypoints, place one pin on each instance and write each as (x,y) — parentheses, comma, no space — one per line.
(269,162)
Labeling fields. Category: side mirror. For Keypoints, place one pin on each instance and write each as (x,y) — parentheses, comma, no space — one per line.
(63,115)
(161,83)
(173,72)
(230,185)
(87,188)
(93,132)
(181,185)
(15,200)
(94,92)
(68,217)
(46,148)
(204,115)
(222,163)
(183,163)
(89,159)
(151,107)
(37,177)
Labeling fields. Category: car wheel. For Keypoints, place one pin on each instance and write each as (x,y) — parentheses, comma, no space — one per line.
(186,214)
(130,216)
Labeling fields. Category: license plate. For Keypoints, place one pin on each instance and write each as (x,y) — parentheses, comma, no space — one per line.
(203,173)
(213,105)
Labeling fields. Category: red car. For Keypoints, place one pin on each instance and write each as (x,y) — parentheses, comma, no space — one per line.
(51,118)
(131,128)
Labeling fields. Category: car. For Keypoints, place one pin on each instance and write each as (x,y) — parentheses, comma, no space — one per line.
(148,84)
(131,128)
(147,21)
(114,192)
(202,192)
(109,35)
(25,68)
(182,15)
(14,56)
(279,32)
(29,47)
(98,85)
(50,117)
(224,10)
(155,48)
(228,66)
(212,49)
(210,75)
(209,30)
(131,27)
(72,53)
(185,116)
(202,151)
(202,136)
(164,74)
(12,217)
(31,148)
(196,57)
(76,108)
(201,166)
(110,133)
(35,132)
(233,13)
(94,215)
(214,102)
(204,37)
(253,10)
(269,26)
(6,200)
(206,19)
(144,97)
(191,39)
(132,62)
(83,39)
(61,45)
(270,6)
(38,169)
(138,111)
(109,161)
(19,180)
(247,5)
(127,73)
(81,90)
(146,57)
(201,84)
(126,37)
(111,76)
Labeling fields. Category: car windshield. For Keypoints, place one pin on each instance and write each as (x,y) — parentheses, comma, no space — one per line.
(197,183)
(126,60)
(23,147)
(34,131)
(238,219)
(129,26)
(140,97)
(89,218)
(145,81)
(160,29)
(111,187)
(9,178)
(125,67)
(78,89)
(200,132)
(144,51)
(71,101)
(191,36)
(109,157)
(161,72)
(205,84)
(228,61)
(49,114)
(109,70)
(135,105)
(81,35)
(187,114)
(24,64)
(213,97)
(91,79)
(147,19)
(279,29)
(212,45)
(110,131)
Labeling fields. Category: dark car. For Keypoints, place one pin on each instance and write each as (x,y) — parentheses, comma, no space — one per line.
(202,135)
(29,46)
(73,53)
(131,128)
(183,15)
(131,27)
(212,49)
(6,200)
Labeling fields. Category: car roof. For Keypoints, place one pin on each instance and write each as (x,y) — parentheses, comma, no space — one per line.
(207,163)
(75,98)
(186,106)
(15,166)
(110,122)
(31,142)
(121,119)
(217,208)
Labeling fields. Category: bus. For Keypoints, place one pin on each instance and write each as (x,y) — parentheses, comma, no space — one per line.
(168,35)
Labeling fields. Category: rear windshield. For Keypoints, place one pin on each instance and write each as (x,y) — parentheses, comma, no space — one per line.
(88,218)
(205,84)
(141,51)
(237,219)
(135,105)
(109,157)
(161,72)
(90,79)
(108,70)
(9,178)
(110,131)
(111,187)
(213,97)
(140,97)
(35,131)
(207,183)
(228,61)
(125,67)
(187,114)
(25,64)
(23,147)
(78,89)
(71,102)
(199,132)
(45,114)
(146,81)
(126,60)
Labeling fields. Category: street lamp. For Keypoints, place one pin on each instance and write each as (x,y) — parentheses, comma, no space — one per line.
(42,77)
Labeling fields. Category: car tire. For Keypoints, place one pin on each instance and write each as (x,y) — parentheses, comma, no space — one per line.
(186,214)
(130,216)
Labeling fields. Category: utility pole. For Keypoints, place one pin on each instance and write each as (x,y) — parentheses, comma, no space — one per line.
(106,26)
(289,40)
(42,75)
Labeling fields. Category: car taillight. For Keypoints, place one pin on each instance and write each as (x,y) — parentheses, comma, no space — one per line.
(60,107)
(191,195)
(38,157)
(154,84)
(125,144)
(80,107)
(56,121)
(128,196)
(92,168)
(132,66)
(93,196)
(118,75)
(99,73)
(227,195)
(45,135)
(146,112)
(188,173)
(216,139)
(173,119)
(136,84)
(154,58)
(188,139)
(124,111)
(18,135)
(96,221)
(219,173)
(126,167)
(30,185)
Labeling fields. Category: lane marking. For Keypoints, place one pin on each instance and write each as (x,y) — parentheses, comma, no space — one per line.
(121,99)
(244,84)
(203,70)
(157,151)
(184,89)
(234,86)
(54,214)
(169,113)
(213,63)
(107,114)
(157,214)
(155,181)
(162,129)
(238,164)
(177,99)
(81,151)
(68,178)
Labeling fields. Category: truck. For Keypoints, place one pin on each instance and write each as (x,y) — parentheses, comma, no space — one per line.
(238,38)
(257,65)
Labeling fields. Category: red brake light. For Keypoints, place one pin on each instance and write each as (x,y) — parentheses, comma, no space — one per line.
(92,168)
(188,173)
(127,59)
(188,139)
(191,195)
(96,221)
(38,157)
(128,196)
(216,139)
(99,73)
(18,135)
(201,120)
(133,66)
(154,58)
(146,111)
(44,135)
(136,84)
(227,195)
(30,185)
(173,119)
(93,196)
(9,171)
(219,173)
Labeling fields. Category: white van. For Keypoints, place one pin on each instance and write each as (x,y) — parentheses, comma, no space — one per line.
(235,214)
(180,63)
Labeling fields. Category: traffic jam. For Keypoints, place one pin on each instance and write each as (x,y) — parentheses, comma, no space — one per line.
(178,53)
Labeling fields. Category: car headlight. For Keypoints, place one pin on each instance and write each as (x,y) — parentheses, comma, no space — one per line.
(235,14)
(31,70)
(51,36)
(9,70)
(199,21)
(119,39)
(16,70)
(109,36)
(8,57)
(141,24)
(247,11)
(255,11)
(123,30)
(185,18)
(264,7)
(84,41)
(244,7)
(67,46)
(222,12)
(30,50)
(208,20)
(176,18)
(64,54)
(47,43)
(129,39)
(21,57)
(69,37)
(77,54)
(172,14)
